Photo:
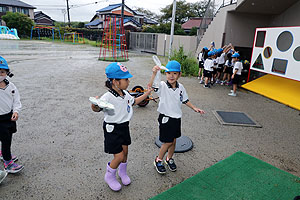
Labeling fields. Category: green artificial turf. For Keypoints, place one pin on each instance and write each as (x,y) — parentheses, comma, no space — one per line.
(238,177)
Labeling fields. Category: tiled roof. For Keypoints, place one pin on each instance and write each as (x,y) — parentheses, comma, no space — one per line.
(194,22)
(94,23)
(16,3)
(109,8)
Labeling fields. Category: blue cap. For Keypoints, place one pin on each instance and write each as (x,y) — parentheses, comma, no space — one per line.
(173,66)
(235,55)
(210,53)
(3,63)
(220,50)
(117,70)
(205,48)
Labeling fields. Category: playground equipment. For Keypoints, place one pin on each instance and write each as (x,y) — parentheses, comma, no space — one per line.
(74,37)
(10,34)
(275,65)
(113,46)
(139,91)
(41,31)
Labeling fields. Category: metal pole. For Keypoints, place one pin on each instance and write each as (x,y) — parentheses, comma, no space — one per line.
(122,12)
(68,10)
(172,28)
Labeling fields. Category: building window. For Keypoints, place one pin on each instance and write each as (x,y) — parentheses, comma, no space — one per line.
(3,9)
(14,9)
(18,10)
(25,11)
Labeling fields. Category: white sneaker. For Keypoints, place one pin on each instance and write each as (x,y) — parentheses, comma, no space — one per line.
(198,77)
(201,82)
(231,91)
(3,174)
(232,94)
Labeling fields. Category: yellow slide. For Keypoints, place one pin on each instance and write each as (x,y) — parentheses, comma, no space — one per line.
(280,89)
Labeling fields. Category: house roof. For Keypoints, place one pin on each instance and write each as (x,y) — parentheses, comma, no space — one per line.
(94,23)
(149,21)
(194,22)
(16,3)
(114,6)
(118,12)
(40,14)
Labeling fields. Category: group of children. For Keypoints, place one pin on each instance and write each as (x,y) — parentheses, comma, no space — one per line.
(10,106)
(220,66)
(172,95)
(117,138)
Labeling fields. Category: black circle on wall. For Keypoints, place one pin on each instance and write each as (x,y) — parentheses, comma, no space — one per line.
(296,54)
(284,41)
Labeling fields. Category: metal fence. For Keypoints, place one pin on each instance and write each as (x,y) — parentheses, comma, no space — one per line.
(146,42)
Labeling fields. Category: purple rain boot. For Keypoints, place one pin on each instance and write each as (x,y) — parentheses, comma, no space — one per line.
(111,180)
(123,174)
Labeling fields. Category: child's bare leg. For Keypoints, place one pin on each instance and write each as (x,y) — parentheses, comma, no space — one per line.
(171,149)
(125,151)
(163,149)
(118,158)
(234,88)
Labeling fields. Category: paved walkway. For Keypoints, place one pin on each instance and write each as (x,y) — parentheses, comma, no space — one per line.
(60,140)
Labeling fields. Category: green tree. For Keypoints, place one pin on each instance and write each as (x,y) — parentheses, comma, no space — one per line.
(184,11)
(80,25)
(149,14)
(193,31)
(19,21)
(164,28)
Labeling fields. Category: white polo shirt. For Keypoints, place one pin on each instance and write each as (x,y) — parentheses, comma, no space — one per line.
(216,61)
(171,99)
(221,59)
(123,107)
(9,99)
(227,63)
(208,64)
(238,66)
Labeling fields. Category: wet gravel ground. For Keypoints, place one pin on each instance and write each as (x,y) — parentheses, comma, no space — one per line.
(60,139)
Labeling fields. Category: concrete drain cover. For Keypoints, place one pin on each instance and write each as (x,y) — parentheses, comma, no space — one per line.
(235,119)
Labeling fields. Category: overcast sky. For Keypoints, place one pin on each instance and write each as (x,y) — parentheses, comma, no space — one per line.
(55,8)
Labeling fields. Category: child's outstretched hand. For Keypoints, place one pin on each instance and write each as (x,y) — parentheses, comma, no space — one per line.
(198,110)
(155,69)
(149,89)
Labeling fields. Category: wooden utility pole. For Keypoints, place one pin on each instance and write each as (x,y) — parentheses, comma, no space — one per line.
(122,12)
(68,10)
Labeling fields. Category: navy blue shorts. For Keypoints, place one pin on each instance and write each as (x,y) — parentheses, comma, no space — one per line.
(207,73)
(116,135)
(169,128)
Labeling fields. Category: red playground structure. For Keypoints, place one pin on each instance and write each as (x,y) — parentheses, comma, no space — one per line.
(113,46)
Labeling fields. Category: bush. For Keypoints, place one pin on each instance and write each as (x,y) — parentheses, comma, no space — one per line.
(20,22)
(189,64)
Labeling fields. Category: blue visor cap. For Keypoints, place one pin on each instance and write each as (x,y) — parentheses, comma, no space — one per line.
(210,53)
(117,70)
(205,48)
(235,55)
(3,63)
(173,66)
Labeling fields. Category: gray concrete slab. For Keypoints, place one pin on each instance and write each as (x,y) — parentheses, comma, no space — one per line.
(60,139)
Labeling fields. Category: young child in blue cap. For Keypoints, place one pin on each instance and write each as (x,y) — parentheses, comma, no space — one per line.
(236,73)
(10,106)
(171,96)
(116,123)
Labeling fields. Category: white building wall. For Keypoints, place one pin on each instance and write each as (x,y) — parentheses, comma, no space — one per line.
(216,29)
(189,44)
(291,17)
